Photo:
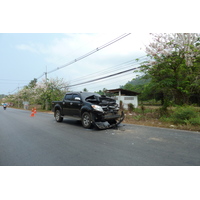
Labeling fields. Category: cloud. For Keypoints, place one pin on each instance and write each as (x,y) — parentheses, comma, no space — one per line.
(26,47)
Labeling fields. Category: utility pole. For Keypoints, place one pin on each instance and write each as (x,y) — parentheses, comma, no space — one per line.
(18,95)
(46,74)
(46,102)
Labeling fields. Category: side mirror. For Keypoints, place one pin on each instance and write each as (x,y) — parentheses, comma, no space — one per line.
(77,99)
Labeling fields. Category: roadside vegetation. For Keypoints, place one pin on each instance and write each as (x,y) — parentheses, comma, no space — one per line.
(179,117)
(38,94)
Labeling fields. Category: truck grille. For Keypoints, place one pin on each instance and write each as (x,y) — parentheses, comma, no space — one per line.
(109,108)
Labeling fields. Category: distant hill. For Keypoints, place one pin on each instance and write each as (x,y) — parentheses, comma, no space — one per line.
(137,85)
(139,81)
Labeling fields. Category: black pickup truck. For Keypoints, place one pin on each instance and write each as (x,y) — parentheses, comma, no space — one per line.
(91,108)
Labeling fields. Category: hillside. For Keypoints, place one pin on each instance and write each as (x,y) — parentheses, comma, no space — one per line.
(138,81)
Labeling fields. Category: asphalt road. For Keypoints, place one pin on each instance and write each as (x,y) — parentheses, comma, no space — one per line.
(41,141)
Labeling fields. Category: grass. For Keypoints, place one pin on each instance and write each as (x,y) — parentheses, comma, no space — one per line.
(184,118)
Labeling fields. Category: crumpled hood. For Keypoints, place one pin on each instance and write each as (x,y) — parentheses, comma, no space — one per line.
(103,101)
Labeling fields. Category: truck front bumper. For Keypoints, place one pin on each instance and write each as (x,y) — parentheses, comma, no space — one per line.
(109,121)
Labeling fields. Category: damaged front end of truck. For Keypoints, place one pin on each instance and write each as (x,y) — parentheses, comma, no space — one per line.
(105,112)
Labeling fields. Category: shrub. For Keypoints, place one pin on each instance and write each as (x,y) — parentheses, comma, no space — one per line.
(195,121)
(121,105)
(142,108)
(130,107)
(184,115)
(163,112)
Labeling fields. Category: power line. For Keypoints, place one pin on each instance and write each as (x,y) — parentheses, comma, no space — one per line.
(108,76)
(10,83)
(131,62)
(89,53)
(11,80)
(116,67)
(15,89)
(112,80)
(41,76)
(70,53)
(98,79)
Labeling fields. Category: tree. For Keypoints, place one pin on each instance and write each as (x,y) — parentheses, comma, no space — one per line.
(42,93)
(184,45)
(103,92)
(32,83)
(50,90)
(143,86)
(174,65)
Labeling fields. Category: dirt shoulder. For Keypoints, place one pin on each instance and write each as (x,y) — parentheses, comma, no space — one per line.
(149,119)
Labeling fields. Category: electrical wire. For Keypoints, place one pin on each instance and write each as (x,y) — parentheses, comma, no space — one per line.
(131,62)
(114,68)
(89,53)
(112,80)
(41,76)
(11,80)
(108,76)
(71,53)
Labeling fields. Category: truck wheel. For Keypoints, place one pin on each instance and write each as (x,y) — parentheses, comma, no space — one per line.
(86,120)
(58,116)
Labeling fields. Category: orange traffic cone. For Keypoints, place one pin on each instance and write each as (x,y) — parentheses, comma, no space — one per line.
(32,114)
(35,110)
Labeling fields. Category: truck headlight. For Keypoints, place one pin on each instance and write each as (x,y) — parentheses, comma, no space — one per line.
(97,108)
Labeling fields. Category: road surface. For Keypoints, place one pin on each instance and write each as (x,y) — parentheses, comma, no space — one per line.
(41,141)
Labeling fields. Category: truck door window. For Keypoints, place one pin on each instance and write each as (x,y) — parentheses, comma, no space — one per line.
(75,95)
(68,97)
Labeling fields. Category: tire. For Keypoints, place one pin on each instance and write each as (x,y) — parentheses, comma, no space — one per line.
(58,116)
(86,120)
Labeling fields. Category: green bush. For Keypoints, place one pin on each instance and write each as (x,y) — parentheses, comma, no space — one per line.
(195,121)
(185,115)
(163,112)
(130,107)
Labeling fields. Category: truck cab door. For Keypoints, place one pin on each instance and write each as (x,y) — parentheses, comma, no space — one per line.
(67,104)
(76,104)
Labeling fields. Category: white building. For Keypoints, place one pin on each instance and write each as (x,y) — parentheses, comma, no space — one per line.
(126,96)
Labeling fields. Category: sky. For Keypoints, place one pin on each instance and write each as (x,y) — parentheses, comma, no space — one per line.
(25,56)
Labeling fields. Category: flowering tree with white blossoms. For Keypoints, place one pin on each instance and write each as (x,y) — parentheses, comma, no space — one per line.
(42,93)
(186,45)
(50,90)
(174,65)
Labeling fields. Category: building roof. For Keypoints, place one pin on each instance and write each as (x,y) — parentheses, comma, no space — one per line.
(123,92)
